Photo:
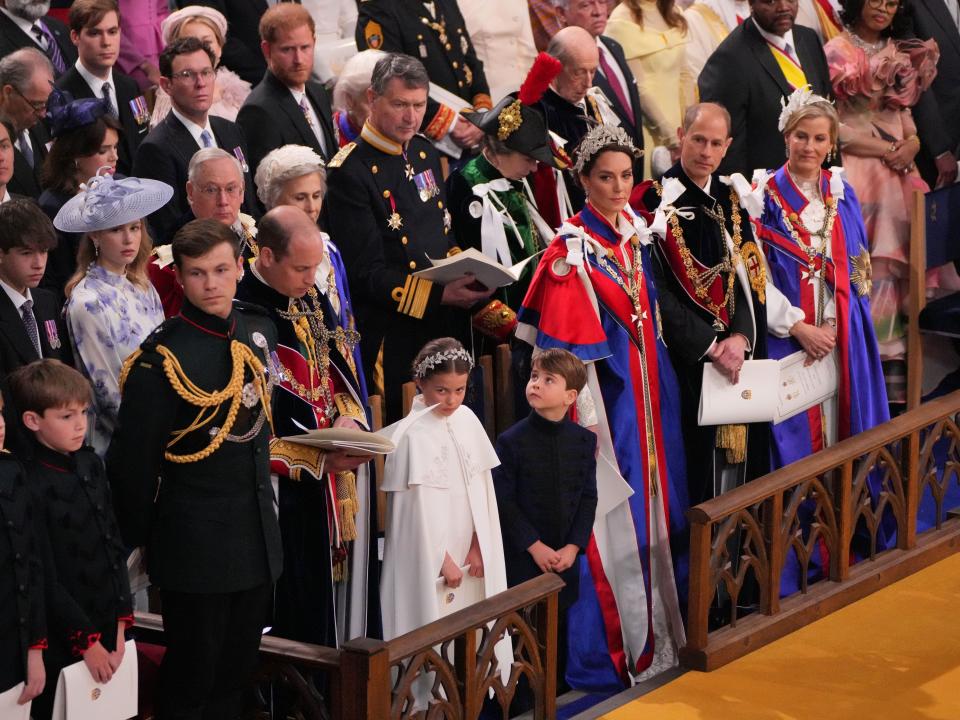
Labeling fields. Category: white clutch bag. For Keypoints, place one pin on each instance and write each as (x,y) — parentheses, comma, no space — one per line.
(80,697)
(753,399)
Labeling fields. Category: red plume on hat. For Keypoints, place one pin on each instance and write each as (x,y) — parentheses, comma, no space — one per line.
(545,68)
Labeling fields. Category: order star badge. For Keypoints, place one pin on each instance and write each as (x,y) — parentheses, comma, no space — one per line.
(862,274)
(394,221)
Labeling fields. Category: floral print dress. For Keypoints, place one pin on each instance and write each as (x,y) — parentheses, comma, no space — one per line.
(108,317)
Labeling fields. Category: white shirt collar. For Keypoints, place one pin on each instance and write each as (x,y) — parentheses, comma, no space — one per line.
(193,128)
(706,188)
(6,196)
(776,40)
(96,83)
(21,23)
(15,297)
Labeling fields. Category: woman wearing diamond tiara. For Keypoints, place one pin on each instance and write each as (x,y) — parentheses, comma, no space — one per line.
(818,297)
(443,526)
(111,305)
(819,259)
(593,294)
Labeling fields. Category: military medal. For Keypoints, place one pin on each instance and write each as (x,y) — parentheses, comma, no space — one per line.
(141,113)
(53,336)
(394,222)
(259,340)
(238,154)
(426,185)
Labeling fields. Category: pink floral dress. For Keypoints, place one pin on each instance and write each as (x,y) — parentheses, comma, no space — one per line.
(875,89)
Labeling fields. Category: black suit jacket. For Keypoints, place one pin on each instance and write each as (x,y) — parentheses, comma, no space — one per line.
(241,52)
(16,350)
(126,90)
(13,38)
(270,118)
(743,76)
(26,179)
(938,110)
(165,155)
(635,129)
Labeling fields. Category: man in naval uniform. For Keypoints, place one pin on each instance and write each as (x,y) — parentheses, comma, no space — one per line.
(328,592)
(189,465)
(434,32)
(710,277)
(386,211)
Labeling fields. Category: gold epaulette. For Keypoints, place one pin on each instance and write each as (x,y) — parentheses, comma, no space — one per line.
(337,160)
(413,296)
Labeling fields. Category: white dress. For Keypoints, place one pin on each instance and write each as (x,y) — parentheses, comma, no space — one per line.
(107,318)
(439,492)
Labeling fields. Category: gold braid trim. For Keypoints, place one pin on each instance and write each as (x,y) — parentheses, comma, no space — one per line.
(349,504)
(243,357)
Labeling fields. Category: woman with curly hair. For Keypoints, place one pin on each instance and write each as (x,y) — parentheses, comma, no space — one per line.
(878,76)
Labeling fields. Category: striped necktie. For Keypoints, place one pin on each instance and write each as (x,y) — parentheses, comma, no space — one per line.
(30,325)
(50,47)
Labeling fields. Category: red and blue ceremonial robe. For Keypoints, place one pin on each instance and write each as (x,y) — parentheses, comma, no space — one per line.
(626,619)
(862,395)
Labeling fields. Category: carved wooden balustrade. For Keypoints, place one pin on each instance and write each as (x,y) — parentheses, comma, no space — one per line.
(372,679)
(837,525)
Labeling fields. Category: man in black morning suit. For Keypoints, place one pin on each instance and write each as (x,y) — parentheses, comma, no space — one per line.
(187,75)
(938,112)
(97,36)
(613,75)
(25,25)
(744,77)
(26,80)
(287,108)
(26,333)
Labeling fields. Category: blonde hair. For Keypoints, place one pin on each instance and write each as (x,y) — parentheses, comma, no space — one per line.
(136,271)
(811,111)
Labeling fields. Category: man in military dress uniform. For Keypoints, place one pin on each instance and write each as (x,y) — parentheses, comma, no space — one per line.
(711,282)
(189,466)
(386,210)
(434,32)
(328,591)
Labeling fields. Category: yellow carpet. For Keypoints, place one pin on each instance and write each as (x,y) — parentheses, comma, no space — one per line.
(894,654)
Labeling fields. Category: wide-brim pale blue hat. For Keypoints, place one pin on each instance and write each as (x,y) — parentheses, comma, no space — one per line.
(105,202)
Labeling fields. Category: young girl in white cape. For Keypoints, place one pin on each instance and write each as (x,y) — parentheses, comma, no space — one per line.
(442,518)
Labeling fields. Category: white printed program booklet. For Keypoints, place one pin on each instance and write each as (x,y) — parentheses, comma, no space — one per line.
(80,697)
(767,390)
(9,710)
(470,591)
(489,273)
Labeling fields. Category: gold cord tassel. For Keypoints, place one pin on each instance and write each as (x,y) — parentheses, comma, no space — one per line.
(348,505)
(733,439)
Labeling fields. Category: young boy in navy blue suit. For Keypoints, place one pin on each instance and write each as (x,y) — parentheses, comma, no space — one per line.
(87,590)
(547,483)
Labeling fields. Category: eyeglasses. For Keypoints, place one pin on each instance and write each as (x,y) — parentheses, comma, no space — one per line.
(889,6)
(212,191)
(38,107)
(192,75)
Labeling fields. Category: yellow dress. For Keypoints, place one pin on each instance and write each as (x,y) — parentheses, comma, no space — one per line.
(656,55)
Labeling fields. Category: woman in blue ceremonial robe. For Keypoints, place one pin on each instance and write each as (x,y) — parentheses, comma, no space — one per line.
(593,294)
(819,261)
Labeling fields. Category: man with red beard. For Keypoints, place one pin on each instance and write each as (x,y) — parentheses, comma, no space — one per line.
(287,108)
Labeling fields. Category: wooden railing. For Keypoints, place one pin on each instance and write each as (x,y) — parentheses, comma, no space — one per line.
(372,679)
(820,508)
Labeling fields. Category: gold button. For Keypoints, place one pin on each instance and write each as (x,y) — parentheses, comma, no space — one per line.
(455,64)
(440,204)
(459,83)
(404,239)
(423,155)
(374,169)
(386,193)
(448,46)
(419,37)
(413,264)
